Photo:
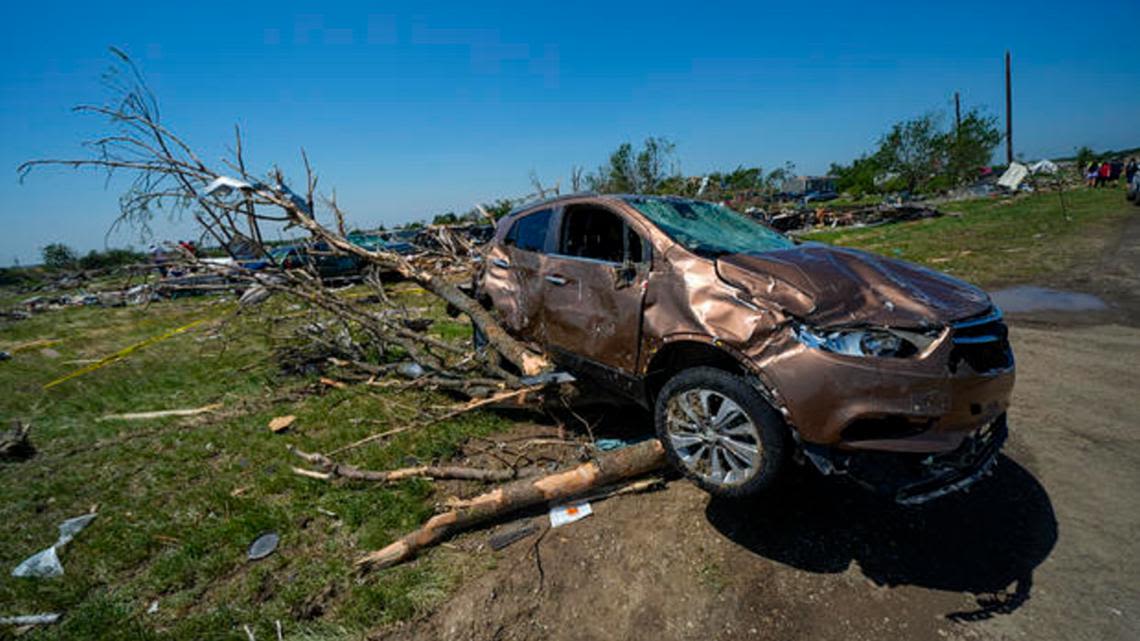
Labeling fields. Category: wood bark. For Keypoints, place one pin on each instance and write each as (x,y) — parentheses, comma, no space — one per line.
(625,463)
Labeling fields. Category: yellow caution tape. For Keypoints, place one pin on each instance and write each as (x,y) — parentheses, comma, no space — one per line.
(126,351)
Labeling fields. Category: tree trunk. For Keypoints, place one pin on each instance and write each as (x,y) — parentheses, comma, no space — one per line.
(629,462)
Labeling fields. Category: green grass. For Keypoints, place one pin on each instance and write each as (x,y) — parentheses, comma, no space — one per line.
(181,499)
(997,242)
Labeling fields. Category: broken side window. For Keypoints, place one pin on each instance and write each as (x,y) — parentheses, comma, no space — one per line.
(599,234)
(529,232)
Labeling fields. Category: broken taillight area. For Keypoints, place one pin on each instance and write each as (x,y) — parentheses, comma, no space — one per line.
(911,478)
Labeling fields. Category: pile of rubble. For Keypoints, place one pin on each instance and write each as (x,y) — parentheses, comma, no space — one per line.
(803,219)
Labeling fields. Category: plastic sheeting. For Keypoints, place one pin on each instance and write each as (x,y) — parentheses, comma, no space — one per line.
(45,563)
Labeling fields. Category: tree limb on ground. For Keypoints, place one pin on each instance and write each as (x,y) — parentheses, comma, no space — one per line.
(472,405)
(630,462)
(142,416)
(330,469)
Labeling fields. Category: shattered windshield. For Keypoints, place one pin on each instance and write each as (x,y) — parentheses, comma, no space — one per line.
(708,229)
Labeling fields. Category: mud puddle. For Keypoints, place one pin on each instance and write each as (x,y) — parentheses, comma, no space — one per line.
(1031,298)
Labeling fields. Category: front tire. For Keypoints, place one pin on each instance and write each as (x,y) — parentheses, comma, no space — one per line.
(720,432)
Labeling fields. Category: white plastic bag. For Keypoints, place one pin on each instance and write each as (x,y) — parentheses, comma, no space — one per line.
(45,563)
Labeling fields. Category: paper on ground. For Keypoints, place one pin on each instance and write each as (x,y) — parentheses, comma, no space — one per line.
(563,514)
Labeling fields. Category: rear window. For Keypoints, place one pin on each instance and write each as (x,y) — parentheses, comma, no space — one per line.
(529,232)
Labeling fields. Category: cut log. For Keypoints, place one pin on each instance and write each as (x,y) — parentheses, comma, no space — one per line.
(607,469)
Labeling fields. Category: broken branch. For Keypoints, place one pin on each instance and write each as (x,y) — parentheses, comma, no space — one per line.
(332,469)
(607,469)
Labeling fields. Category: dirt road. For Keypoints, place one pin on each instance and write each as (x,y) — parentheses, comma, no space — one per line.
(1047,548)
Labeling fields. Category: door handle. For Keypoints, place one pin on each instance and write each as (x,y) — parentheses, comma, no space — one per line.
(556,280)
(499,262)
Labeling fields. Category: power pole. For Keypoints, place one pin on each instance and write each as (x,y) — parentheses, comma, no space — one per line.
(957,116)
(1008,113)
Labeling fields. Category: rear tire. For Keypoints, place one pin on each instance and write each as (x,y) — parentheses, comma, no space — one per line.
(720,432)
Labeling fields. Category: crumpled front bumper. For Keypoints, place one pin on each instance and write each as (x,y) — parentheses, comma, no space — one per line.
(911,478)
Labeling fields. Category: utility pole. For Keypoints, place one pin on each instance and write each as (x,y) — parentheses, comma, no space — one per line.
(957,116)
(1008,113)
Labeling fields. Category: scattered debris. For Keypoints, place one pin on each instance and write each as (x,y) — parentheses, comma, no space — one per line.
(611,444)
(333,383)
(5,356)
(281,423)
(15,444)
(45,563)
(566,514)
(153,608)
(800,218)
(410,370)
(143,416)
(1013,176)
(503,539)
(46,618)
(263,546)
(254,296)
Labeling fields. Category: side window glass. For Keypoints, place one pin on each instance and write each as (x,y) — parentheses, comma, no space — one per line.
(529,232)
(593,232)
(633,247)
(599,234)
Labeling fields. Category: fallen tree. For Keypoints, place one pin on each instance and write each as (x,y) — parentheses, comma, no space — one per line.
(369,338)
(232,208)
(630,462)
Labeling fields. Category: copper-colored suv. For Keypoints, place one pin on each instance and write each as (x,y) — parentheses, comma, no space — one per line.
(752,349)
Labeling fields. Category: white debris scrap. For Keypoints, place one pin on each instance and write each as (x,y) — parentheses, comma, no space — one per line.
(565,514)
(45,563)
(1013,176)
(31,619)
(223,185)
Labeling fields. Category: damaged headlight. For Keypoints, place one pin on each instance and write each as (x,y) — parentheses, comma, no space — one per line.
(858,342)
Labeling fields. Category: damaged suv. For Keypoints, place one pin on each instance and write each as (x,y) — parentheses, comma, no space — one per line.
(751,349)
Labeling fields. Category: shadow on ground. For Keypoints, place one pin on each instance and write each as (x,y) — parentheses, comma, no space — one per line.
(986,542)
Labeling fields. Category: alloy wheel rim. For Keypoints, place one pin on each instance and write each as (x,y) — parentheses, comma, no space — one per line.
(713,436)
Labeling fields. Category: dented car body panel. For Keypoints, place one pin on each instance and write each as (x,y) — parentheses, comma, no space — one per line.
(771,311)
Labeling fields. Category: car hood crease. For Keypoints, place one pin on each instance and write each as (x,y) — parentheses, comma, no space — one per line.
(834,287)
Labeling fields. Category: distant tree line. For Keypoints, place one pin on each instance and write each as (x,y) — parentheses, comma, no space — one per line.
(60,257)
(922,155)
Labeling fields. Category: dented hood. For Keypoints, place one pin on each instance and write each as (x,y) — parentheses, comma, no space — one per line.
(829,286)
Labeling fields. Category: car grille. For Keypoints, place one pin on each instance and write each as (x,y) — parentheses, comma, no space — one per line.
(982,343)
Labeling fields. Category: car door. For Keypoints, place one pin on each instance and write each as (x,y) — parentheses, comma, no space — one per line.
(512,280)
(593,287)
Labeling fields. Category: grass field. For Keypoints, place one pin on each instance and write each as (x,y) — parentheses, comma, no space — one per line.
(180,500)
(995,242)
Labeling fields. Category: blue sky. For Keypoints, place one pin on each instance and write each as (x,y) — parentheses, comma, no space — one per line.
(414,110)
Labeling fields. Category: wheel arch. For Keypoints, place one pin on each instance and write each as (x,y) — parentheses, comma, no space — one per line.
(683,351)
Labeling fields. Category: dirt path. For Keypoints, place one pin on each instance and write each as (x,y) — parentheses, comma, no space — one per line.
(1045,549)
